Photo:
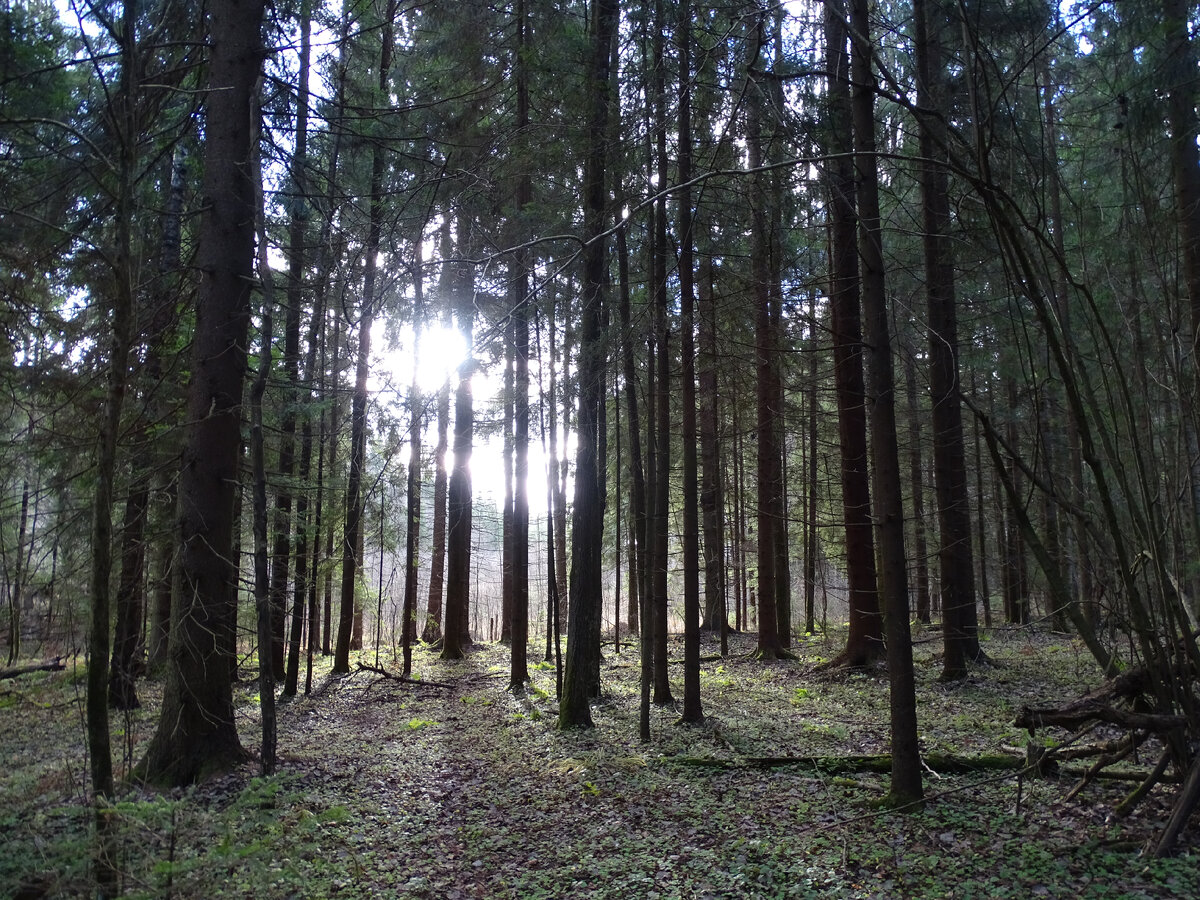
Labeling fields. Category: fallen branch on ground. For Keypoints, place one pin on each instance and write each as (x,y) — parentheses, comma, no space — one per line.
(54,665)
(837,765)
(392,676)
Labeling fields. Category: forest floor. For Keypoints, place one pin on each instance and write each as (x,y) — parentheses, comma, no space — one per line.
(463,790)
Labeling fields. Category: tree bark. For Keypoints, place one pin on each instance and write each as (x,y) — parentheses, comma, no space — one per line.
(865,640)
(581,679)
(456,634)
(353,532)
(693,709)
(412,506)
(956,569)
(263,601)
(661,428)
(282,545)
(767,454)
(196,733)
(906,785)
(432,632)
(519,668)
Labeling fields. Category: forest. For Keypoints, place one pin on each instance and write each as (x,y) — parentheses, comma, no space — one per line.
(544,449)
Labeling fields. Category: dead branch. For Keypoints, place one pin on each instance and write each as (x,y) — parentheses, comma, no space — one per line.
(838,765)
(1099,705)
(1126,806)
(392,676)
(54,665)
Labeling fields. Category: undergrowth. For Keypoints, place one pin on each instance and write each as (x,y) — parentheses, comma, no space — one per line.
(414,790)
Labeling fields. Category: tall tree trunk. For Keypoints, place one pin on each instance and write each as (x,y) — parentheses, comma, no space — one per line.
(519,668)
(778,465)
(197,734)
(693,710)
(916,474)
(458,531)
(308,530)
(334,439)
(263,601)
(506,515)
(1180,67)
(1016,596)
(811,541)
(164,302)
(769,644)
(282,545)
(639,530)
(662,383)
(432,633)
(741,620)
(412,514)
(581,680)
(865,640)
(906,785)
(352,535)
(712,500)
(956,569)
(124,122)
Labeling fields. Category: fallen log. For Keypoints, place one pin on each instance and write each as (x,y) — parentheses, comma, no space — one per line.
(54,665)
(839,765)
(940,763)
(1082,711)
(1099,705)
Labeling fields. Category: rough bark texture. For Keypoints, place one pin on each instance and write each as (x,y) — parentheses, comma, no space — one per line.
(519,669)
(581,679)
(196,734)
(455,634)
(865,640)
(693,710)
(712,500)
(956,572)
(889,503)
(766,398)
(661,424)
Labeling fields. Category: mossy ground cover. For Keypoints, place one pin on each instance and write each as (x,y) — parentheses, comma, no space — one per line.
(392,789)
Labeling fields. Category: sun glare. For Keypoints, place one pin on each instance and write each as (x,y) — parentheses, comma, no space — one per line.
(439,352)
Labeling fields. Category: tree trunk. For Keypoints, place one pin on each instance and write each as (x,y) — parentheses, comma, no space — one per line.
(865,640)
(906,785)
(916,474)
(458,533)
(412,514)
(712,500)
(956,570)
(432,633)
(506,515)
(281,550)
(581,679)
(636,472)
(661,427)
(519,667)
(769,644)
(811,542)
(263,601)
(334,437)
(348,623)
(125,124)
(693,710)
(197,734)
